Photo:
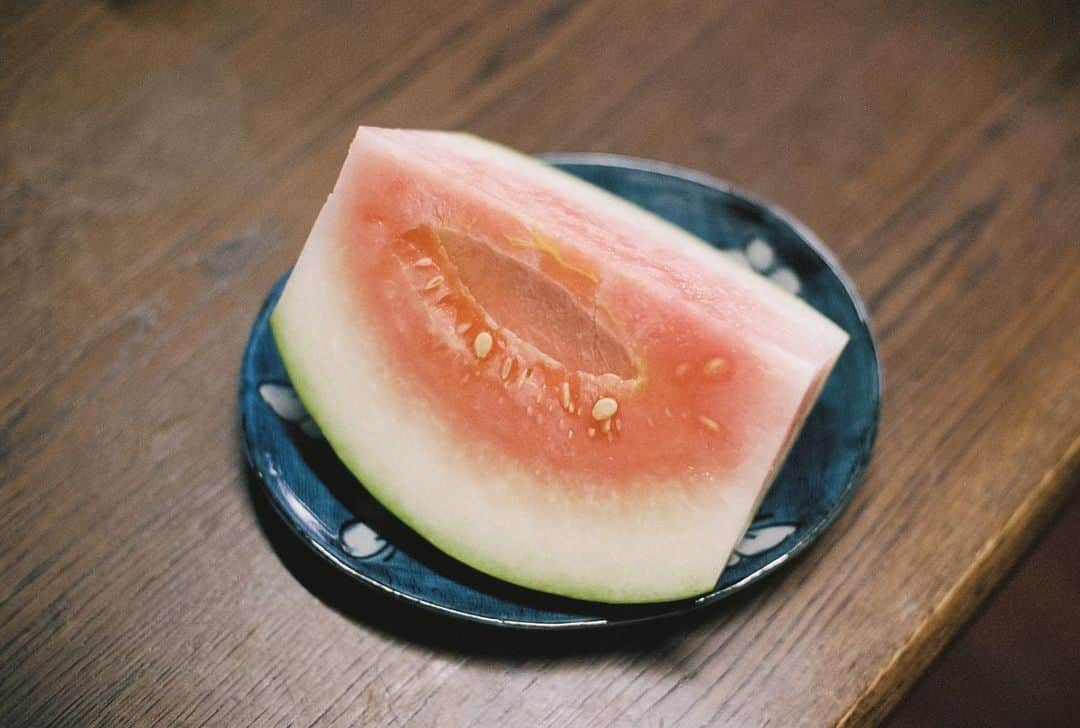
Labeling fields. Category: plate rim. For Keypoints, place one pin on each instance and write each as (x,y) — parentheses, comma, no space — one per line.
(806,538)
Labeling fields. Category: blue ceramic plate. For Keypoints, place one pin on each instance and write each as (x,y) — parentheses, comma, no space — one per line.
(332,513)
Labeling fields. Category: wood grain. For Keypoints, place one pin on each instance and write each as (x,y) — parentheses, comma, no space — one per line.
(162,163)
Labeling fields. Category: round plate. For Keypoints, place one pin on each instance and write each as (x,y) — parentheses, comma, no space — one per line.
(332,513)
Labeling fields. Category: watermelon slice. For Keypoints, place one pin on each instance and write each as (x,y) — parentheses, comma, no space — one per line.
(546,382)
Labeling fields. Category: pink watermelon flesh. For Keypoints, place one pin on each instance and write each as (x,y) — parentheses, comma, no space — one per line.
(546,382)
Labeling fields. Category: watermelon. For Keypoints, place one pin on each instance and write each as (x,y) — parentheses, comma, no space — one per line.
(546,382)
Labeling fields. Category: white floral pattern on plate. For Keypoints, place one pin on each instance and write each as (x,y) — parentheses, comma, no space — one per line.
(283,400)
(760,257)
(759,540)
(360,541)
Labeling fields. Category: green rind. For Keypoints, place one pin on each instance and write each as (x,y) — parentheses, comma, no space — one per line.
(476,560)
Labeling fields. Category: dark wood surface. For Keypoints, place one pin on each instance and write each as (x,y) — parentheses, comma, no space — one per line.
(1015,663)
(161,164)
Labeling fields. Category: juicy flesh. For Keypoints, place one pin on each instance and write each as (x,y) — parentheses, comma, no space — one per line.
(618,428)
(552,358)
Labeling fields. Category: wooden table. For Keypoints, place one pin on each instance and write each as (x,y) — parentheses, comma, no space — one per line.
(161,164)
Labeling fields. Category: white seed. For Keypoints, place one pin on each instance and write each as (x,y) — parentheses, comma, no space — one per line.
(618,425)
(506,367)
(708,422)
(435,282)
(592,432)
(604,408)
(482,344)
(681,369)
(462,328)
(566,396)
(715,366)
(424,262)
(609,380)
(569,434)
(606,427)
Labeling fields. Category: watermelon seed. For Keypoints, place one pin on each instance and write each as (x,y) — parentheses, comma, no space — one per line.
(566,396)
(618,425)
(482,344)
(462,328)
(681,369)
(710,423)
(715,366)
(604,408)
(434,283)
(506,367)
(569,434)
(424,262)
(592,432)
(606,427)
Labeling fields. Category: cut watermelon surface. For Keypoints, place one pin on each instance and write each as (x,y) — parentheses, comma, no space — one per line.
(546,382)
